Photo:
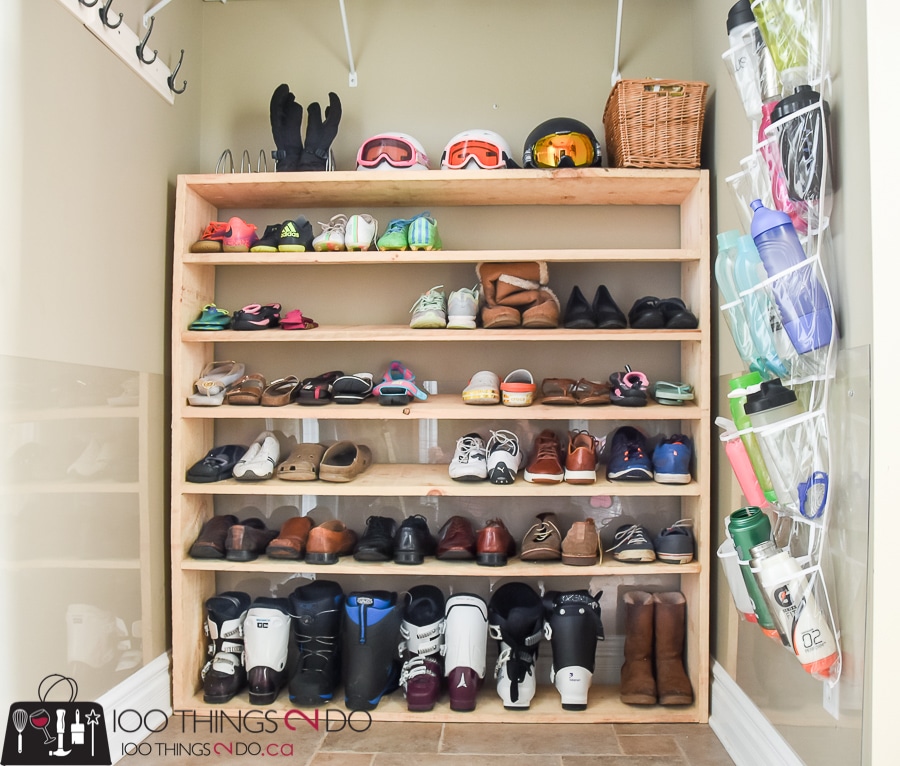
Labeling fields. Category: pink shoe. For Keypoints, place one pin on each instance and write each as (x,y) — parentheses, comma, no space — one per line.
(240,237)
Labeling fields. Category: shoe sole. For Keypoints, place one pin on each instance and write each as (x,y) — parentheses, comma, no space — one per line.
(580,477)
(672,478)
(579,561)
(675,558)
(428,323)
(630,474)
(543,478)
(469,477)
(635,557)
(501,474)
(481,396)
(461,323)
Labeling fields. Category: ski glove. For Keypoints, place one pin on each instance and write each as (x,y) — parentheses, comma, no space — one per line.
(286,116)
(320,134)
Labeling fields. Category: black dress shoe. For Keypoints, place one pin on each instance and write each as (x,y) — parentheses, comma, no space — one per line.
(377,542)
(677,315)
(413,541)
(607,315)
(578,314)
(646,314)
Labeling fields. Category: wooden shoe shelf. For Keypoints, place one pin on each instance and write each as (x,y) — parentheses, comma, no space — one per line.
(641,232)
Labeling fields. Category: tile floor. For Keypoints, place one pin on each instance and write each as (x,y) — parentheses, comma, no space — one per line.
(450,744)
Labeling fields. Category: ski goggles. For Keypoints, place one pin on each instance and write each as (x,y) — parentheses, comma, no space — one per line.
(486,153)
(548,151)
(397,152)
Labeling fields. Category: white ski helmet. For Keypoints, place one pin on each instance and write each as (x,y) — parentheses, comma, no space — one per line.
(483,149)
(391,150)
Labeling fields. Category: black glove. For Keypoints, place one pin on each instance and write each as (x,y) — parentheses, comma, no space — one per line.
(286,116)
(320,134)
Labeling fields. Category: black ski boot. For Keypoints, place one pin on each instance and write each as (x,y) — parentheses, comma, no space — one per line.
(371,634)
(516,619)
(573,627)
(224,674)
(316,618)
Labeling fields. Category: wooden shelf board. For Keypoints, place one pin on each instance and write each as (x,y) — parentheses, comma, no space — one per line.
(74,488)
(88,412)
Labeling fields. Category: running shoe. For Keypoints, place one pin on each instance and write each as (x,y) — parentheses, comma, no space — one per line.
(430,311)
(629,460)
(503,457)
(672,461)
(462,308)
(469,461)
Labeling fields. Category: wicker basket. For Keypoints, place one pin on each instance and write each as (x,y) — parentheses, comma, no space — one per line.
(655,123)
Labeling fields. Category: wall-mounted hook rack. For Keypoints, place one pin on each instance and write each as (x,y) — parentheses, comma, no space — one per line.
(616,74)
(143,44)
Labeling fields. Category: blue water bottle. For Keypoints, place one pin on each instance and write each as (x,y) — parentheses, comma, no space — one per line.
(733,308)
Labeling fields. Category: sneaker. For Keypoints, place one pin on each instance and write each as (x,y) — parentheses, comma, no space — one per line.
(239,237)
(503,457)
(430,311)
(259,461)
(462,308)
(395,238)
(268,242)
(675,544)
(581,458)
(543,541)
(672,461)
(332,236)
(211,238)
(296,236)
(469,461)
(545,466)
(633,545)
(423,233)
(483,388)
(360,232)
(629,460)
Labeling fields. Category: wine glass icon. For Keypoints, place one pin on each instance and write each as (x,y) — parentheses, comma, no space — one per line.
(40,719)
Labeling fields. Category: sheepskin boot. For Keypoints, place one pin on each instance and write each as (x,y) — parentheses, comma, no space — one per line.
(517,294)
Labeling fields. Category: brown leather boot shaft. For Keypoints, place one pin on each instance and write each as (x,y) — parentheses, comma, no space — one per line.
(673,684)
(638,686)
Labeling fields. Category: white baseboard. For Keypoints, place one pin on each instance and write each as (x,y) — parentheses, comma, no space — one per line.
(742,729)
(147,689)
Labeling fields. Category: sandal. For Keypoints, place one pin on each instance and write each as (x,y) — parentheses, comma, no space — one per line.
(628,389)
(352,389)
(317,390)
(215,378)
(676,315)
(257,317)
(247,390)
(672,393)
(587,392)
(211,318)
(294,320)
(280,392)
(646,314)
(397,386)
(557,391)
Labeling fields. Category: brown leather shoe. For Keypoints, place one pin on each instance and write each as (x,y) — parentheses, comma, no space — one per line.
(456,539)
(495,544)
(328,541)
(291,540)
(581,548)
(543,541)
(545,466)
(581,458)
(247,539)
(210,543)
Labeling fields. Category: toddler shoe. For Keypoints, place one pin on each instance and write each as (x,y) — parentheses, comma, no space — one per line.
(211,318)
(240,236)
(296,236)
(518,388)
(211,239)
(483,388)
(268,242)
(257,317)
(430,310)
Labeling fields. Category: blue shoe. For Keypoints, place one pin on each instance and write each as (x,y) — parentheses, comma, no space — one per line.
(630,460)
(672,461)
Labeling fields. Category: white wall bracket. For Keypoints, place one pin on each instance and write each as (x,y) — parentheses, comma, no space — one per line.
(352,78)
(616,74)
(152,12)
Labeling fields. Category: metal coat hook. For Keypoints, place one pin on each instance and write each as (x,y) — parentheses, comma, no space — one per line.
(88,5)
(104,16)
(171,77)
(143,44)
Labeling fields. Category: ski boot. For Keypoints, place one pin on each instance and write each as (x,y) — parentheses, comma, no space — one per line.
(422,630)
(573,628)
(224,674)
(371,633)
(516,617)
(316,618)
(465,649)
(266,633)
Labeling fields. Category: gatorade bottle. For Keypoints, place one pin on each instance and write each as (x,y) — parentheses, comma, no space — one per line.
(737,397)
(733,308)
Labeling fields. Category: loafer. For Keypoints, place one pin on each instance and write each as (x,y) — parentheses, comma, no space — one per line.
(328,542)
(217,465)
(579,314)
(606,313)
(413,541)
(581,546)
(456,540)
(248,539)
(676,315)
(494,544)
(291,540)
(646,314)
(542,542)
(210,543)
(344,461)
(377,541)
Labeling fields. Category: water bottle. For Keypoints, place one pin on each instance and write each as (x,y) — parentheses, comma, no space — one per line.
(737,396)
(802,143)
(801,299)
(748,273)
(794,607)
(754,71)
(733,308)
(737,456)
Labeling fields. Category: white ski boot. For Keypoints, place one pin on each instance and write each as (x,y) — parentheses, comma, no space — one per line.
(465,649)
(224,675)
(422,631)
(267,630)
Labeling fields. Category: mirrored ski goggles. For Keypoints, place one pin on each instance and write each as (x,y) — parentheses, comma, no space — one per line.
(396,151)
(487,154)
(549,150)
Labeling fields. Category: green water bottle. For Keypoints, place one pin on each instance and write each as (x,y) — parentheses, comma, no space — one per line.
(737,397)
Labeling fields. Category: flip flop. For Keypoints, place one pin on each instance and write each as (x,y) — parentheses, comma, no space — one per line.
(557,391)
(629,388)
(352,389)
(294,320)
(247,390)
(213,381)
(211,318)
(217,465)
(587,392)
(280,392)
(671,393)
(317,391)
(397,386)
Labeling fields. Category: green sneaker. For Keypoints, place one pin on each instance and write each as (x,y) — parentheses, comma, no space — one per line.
(423,233)
(395,236)
(430,311)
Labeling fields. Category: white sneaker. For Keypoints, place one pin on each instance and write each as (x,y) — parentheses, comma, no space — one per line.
(360,232)
(483,388)
(462,308)
(430,311)
(503,457)
(332,236)
(470,459)
(258,463)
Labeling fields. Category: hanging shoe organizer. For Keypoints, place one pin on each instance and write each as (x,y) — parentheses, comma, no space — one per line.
(781,318)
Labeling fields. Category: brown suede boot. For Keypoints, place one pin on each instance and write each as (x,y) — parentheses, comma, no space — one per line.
(674,687)
(510,289)
(638,685)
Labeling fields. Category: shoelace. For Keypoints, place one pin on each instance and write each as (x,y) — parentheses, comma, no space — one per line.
(432,300)
(505,440)
(686,524)
(398,224)
(540,532)
(468,448)
(634,534)
(337,223)
(547,449)
(633,451)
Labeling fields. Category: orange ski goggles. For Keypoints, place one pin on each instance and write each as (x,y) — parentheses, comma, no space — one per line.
(486,153)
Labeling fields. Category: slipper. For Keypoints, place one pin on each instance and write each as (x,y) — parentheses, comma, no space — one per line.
(303,463)
(483,388)
(317,390)
(677,315)
(352,389)
(646,314)
(246,390)
(672,393)
(257,317)
(587,392)
(557,391)
(217,465)
(294,320)
(211,318)
(280,392)
(517,389)
(628,389)
(397,386)
(213,381)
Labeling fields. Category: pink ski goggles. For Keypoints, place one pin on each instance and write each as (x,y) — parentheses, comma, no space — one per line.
(396,151)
